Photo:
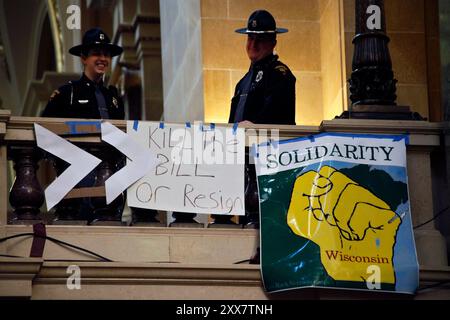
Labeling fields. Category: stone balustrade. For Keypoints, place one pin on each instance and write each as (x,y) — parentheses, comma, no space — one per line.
(151,241)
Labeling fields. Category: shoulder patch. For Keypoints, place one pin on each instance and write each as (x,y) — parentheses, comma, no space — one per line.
(54,94)
(282,69)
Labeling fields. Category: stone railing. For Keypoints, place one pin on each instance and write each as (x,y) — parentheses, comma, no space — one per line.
(26,195)
(21,206)
(32,173)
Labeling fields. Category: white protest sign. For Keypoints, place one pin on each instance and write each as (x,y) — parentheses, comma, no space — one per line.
(141,160)
(81,163)
(200,169)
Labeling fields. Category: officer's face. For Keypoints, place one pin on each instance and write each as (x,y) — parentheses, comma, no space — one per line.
(97,62)
(259,47)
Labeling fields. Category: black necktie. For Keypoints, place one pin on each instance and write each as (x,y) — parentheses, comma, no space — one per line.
(239,115)
(101,103)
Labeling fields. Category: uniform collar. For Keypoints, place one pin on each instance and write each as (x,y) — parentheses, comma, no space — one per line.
(84,79)
(265,61)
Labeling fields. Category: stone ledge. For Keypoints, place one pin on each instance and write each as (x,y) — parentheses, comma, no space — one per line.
(101,272)
(382,126)
(421,133)
(4,118)
(16,276)
(38,279)
(137,230)
(22,267)
(434,274)
(142,244)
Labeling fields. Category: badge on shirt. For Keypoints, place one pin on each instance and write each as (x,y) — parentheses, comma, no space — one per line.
(54,94)
(115,103)
(259,76)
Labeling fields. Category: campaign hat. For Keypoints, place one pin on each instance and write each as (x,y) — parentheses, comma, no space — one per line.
(261,22)
(96,38)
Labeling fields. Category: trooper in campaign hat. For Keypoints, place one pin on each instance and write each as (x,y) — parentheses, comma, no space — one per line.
(87,98)
(266,94)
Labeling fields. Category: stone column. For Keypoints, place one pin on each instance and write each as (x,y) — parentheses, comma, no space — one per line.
(181,41)
(148,43)
(445,219)
(125,70)
(430,244)
(69,37)
(4,118)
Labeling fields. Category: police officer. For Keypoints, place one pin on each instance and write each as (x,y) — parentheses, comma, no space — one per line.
(88,97)
(266,94)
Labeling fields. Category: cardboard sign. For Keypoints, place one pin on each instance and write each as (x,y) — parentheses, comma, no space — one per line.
(200,168)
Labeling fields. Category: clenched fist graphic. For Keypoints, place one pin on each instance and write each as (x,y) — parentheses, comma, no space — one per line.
(353,228)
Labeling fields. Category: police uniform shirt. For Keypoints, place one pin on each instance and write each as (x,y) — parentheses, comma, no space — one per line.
(85,99)
(266,94)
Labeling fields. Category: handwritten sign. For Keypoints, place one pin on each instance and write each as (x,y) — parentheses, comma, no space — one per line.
(200,168)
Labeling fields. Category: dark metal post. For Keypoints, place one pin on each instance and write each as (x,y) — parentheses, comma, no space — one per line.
(372,83)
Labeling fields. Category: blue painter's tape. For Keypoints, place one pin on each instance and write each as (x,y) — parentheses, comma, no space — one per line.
(161,125)
(72,128)
(407,139)
(274,143)
(235,127)
(135,125)
(402,137)
(254,151)
(188,124)
(204,128)
(74,124)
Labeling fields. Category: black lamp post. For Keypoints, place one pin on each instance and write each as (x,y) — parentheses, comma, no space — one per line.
(372,83)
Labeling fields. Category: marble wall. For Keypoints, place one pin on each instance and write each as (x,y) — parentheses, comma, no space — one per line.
(225,60)
(181,49)
(319,50)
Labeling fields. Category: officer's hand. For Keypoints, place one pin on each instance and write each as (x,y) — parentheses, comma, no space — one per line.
(353,228)
(245,122)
